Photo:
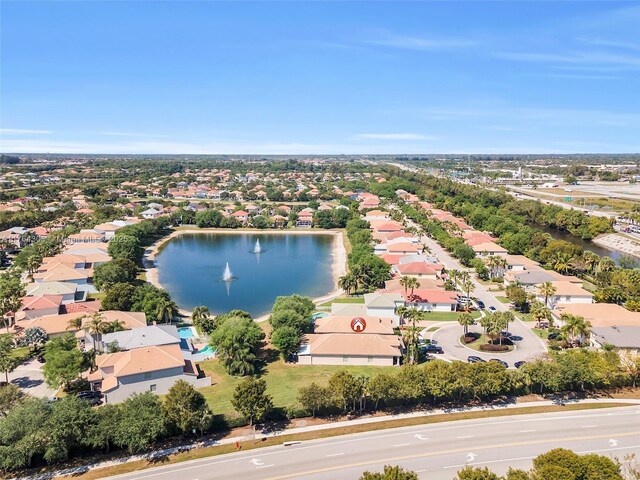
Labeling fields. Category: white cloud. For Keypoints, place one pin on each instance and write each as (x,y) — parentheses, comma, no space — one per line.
(419,43)
(23,131)
(394,136)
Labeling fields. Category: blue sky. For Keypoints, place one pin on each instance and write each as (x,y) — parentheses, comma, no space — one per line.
(320,77)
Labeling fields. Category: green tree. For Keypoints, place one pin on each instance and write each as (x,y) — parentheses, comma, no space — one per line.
(141,422)
(7,361)
(237,342)
(10,396)
(349,283)
(476,473)
(65,427)
(251,400)
(63,361)
(303,305)
(166,310)
(186,409)
(349,388)
(119,297)
(289,318)
(12,291)
(287,340)
(125,246)
(466,320)
(102,431)
(314,398)
(390,473)
(119,270)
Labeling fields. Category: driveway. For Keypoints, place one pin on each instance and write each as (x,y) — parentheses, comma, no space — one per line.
(528,345)
(30,379)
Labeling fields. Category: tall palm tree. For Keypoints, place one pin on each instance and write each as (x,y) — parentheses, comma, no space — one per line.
(405,282)
(362,276)
(453,275)
(466,320)
(467,286)
(547,290)
(348,282)
(95,327)
(590,260)
(413,314)
(402,312)
(166,310)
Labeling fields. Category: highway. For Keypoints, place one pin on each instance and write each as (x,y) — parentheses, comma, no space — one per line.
(434,451)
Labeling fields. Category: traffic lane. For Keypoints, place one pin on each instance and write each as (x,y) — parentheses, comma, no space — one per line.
(402,444)
(444,466)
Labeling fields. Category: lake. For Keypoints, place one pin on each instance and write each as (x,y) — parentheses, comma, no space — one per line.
(191,267)
(585,244)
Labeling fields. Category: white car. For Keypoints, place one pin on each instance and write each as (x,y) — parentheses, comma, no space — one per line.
(492,309)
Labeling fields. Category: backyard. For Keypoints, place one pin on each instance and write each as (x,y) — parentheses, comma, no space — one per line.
(283,381)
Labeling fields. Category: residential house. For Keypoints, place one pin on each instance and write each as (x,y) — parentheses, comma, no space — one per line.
(147,369)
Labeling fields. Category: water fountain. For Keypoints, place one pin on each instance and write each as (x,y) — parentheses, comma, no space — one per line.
(257,248)
(227,276)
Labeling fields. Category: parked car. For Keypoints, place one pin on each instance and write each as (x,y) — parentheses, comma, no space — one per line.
(519,364)
(492,309)
(432,348)
(40,359)
(480,305)
(474,359)
(553,336)
(502,362)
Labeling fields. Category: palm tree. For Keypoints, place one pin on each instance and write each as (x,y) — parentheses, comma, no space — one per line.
(562,262)
(540,312)
(575,328)
(547,290)
(466,320)
(412,332)
(96,326)
(199,313)
(467,286)
(166,310)
(362,276)
(75,323)
(453,275)
(115,326)
(405,282)
(348,282)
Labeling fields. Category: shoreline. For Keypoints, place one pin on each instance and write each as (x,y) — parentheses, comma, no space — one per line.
(617,242)
(338,254)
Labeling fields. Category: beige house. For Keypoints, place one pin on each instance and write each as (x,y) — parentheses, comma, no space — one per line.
(148,369)
(567,292)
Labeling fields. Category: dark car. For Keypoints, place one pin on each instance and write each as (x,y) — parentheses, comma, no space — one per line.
(502,362)
(553,336)
(88,394)
(431,348)
(40,359)
(519,364)
(474,359)
(480,305)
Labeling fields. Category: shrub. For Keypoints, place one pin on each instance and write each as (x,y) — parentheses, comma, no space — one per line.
(487,347)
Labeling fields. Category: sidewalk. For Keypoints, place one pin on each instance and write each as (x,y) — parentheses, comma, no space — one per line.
(327,426)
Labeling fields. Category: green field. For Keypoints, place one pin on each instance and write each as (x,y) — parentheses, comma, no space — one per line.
(502,299)
(283,381)
(359,300)
(445,316)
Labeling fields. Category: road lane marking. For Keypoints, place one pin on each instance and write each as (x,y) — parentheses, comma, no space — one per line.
(265,466)
(447,452)
(191,464)
(335,454)
(401,444)
(466,436)
(526,431)
(588,426)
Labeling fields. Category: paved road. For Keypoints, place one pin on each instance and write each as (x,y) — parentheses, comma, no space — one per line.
(30,379)
(435,452)
(448,336)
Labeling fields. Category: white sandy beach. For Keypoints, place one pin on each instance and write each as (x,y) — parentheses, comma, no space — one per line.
(339,254)
(619,242)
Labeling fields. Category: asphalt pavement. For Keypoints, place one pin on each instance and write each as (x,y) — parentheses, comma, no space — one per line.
(435,451)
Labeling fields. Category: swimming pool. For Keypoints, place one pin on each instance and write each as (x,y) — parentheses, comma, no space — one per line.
(208,351)
(186,332)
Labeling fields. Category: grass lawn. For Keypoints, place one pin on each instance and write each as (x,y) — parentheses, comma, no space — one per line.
(541,332)
(96,296)
(283,381)
(433,329)
(22,354)
(446,316)
(502,299)
(344,300)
